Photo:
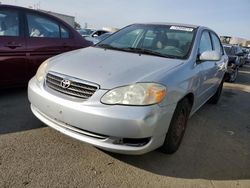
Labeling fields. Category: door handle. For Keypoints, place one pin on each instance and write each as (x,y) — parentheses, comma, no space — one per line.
(13,45)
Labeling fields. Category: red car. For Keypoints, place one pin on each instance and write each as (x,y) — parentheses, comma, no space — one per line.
(27,38)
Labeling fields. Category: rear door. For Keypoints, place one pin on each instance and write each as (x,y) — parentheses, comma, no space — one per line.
(44,39)
(13,62)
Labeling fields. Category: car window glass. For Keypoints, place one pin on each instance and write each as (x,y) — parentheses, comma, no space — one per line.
(234,50)
(205,43)
(64,32)
(149,38)
(179,40)
(238,50)
(129,39)
(229,50)
(162,40)
(216,43)
(9,23)
(42,27)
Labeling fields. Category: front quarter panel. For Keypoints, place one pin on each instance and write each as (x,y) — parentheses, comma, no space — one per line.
(180,82)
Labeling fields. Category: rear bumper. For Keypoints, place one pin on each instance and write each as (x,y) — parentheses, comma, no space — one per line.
(102,125)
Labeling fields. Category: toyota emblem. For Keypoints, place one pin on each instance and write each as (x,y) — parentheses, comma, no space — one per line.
(65,83)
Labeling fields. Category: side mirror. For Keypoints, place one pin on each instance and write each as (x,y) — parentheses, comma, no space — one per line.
(210,56)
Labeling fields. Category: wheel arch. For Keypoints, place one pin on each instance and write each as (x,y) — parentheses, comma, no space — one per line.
(190,97)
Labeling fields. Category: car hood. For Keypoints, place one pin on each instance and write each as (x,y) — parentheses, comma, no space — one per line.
(110,68)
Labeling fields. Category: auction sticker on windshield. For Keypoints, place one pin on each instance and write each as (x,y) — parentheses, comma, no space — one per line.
(181,28)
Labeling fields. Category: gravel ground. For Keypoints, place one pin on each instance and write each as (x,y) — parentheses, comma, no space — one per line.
(215,151)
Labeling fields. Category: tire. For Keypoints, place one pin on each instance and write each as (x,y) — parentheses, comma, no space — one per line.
(233,76)
(216,97)
(177,127)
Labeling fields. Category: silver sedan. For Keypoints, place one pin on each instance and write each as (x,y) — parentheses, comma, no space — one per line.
(134,91)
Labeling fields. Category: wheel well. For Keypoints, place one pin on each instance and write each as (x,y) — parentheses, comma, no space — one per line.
(190,97)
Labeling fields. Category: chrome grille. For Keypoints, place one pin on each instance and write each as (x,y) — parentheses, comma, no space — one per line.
(77,88)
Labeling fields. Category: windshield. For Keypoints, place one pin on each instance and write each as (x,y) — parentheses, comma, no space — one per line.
(161,40)
(228,50)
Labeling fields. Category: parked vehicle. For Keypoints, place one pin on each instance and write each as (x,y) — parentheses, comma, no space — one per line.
(95,40)
(27,38)
(246,55)
(243,56)
(134,91)
(235,55)
(93,37)
(86,32)
(248,58)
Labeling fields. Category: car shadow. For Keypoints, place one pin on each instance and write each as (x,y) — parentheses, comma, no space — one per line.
(216,145)
(15,113)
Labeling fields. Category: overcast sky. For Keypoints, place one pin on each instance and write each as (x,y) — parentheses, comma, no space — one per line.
(226,17)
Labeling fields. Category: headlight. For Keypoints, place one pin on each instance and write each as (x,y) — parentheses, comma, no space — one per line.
(41,71)
(136,94)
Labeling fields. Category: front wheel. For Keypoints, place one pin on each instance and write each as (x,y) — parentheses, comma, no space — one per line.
(177,127)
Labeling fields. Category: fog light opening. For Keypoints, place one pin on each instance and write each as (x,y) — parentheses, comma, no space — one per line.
(135,142)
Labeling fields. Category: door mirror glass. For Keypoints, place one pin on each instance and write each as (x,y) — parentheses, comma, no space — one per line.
(210,56)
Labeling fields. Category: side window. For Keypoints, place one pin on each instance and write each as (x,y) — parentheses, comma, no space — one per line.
(9,23)
(42,27)
(216,44)
(205,43)
(64,32)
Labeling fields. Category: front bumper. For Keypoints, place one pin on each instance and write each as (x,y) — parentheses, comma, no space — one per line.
(102,125)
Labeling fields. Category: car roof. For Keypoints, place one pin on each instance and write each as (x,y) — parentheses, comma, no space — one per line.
(16,7)
(34,10)
(169,23)
(180,25)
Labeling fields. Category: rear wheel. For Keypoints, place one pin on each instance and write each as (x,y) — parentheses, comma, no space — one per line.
(177,127)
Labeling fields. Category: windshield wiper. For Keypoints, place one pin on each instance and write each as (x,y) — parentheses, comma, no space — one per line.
(136,50)
(148,52)
(107,46)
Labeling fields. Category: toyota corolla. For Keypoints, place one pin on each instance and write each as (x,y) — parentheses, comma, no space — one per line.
(134,91)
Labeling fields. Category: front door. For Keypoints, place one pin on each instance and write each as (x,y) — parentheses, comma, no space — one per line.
(208,70)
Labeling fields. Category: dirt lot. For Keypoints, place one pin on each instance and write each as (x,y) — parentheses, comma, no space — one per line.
(215,151)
